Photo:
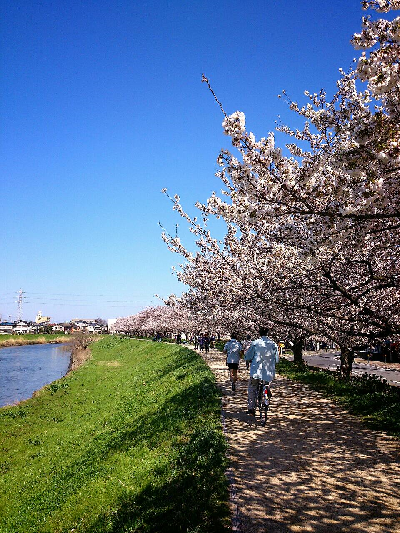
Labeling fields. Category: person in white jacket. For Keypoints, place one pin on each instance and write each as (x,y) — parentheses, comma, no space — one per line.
(263,354)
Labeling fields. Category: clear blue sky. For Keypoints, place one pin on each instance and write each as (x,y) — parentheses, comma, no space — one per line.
(102,106)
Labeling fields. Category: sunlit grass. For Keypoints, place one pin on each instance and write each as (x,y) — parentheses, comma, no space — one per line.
(130,442)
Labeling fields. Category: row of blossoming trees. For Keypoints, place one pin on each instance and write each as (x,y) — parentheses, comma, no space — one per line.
(165,320)
(153,320)
(312,241)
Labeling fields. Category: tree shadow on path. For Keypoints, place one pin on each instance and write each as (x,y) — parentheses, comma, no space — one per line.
(313,468)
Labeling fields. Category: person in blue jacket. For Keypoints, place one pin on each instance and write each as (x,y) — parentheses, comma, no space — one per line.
(263,354)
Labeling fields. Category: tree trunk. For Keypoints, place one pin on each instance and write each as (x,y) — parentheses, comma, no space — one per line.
(346,361)
(298,350)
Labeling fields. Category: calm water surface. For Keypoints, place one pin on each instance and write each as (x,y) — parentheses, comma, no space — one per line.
(25,369)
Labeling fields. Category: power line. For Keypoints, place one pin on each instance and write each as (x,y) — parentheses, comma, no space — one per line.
(20,301)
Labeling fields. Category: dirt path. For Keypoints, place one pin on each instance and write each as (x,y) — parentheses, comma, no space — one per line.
(313,468)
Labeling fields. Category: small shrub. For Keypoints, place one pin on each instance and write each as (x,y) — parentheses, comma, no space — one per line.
(80,341)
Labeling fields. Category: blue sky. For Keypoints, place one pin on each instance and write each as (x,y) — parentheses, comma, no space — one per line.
(102,106)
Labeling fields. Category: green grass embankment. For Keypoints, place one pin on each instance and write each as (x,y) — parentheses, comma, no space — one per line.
(31,338)
(131,442)
(366,396)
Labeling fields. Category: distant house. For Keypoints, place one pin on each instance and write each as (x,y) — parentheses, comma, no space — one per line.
(80,325)
(94,328)
(22,328)
(83,320)
(58,327)
(6,328)
(87,325)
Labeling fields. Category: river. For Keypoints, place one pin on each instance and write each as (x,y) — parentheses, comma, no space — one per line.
(25,369)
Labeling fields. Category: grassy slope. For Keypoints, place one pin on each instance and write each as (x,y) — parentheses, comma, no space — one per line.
(130,442)
(374,401)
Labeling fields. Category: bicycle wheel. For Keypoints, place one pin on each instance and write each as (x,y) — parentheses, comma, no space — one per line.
(264,403)
(264,414)
(260,403)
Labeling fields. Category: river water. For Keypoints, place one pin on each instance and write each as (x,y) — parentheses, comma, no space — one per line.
(25,369)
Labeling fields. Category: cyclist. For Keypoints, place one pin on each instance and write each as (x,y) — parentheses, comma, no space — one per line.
(263,354)
(233,350)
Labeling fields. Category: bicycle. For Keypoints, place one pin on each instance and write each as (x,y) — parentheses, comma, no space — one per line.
(262,400)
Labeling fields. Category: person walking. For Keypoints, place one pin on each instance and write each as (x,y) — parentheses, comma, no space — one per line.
(233,350)
(201,342)
(207,342)
(262,355)
(212,340)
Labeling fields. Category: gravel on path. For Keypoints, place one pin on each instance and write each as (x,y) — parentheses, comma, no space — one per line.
(313,468)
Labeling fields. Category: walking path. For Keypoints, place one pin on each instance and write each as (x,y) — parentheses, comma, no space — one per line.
(313,468)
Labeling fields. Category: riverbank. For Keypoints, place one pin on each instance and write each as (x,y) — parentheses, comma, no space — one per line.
(28,368)
(21,340)
(130,441)
(75,346)
(77,358)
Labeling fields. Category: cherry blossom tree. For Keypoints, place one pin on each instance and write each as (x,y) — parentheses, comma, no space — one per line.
(312,245)
(163,319)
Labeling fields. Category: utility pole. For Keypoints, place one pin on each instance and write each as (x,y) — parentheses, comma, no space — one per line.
(20,301)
